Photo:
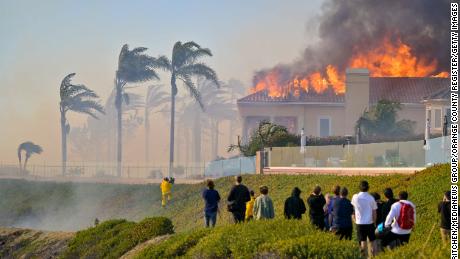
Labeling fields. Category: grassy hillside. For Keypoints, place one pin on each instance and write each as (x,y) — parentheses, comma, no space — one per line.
(134,202)
(425,190)
(26,243)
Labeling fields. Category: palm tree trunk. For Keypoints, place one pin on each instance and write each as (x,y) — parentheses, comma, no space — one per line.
(178,146)
(147,135)
(118,104)
(63,143)
(216,140)
(197,138)
(20,164)
(187,146)
(25,164)
(171,129)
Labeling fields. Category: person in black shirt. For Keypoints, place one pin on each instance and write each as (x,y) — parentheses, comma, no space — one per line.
(444,210)
(237,198)
(379,202)
(316,203)
(386,206)
(294,206)
(342,212)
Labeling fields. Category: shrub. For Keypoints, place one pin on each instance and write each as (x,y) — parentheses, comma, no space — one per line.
(313,246)
(282,238)
(175,246)
(113,238)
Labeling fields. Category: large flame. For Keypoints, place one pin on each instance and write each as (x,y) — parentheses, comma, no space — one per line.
(389,59)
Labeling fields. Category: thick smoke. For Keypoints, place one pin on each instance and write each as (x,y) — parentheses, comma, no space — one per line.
(347,26)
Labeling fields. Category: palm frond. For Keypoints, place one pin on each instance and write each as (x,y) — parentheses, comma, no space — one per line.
(86,94)
(65,83)
(162,62)
(191,45)
(200,69)
(192,90)
(135,101)
(30,148)
(135,66)
(89,107)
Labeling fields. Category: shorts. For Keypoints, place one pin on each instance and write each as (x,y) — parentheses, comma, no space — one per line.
(365,231)
(344,232)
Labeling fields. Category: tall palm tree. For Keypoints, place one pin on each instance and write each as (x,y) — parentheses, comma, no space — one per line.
(77,98)
(218,108)
(134,66)
(183,66)
(30,148)
(154,99)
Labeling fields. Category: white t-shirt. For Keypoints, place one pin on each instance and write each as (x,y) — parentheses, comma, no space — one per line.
(364,204)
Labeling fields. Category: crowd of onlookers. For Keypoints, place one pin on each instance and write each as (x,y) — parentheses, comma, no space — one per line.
(381,223)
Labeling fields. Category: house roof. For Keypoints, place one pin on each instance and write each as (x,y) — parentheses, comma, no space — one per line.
(441,94)
(327,96)
(412,90)
(405,89)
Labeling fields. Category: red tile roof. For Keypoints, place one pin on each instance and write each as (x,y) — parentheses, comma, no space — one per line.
(327,96)
(401,89)
(405,89)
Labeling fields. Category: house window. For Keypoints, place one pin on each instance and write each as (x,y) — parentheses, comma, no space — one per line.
(252,123)
(324,127)
(289,122)
(437,119)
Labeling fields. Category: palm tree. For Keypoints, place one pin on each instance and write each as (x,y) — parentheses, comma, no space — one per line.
(183,66)
(77,98)
(155,98)
(30,148)
(134,66)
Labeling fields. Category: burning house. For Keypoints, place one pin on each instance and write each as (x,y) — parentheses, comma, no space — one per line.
(365,51)
(334,113)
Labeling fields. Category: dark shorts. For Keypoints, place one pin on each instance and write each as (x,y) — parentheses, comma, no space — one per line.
(238,215)
(394,240)
(365,231)
(344,232)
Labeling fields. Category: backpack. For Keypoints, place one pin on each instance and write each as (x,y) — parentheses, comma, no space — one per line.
(406,216)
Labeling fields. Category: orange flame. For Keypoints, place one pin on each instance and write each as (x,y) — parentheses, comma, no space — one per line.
(391,59)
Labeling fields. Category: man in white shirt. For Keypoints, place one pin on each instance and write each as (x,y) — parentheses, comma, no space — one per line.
(400,234)
(365,216)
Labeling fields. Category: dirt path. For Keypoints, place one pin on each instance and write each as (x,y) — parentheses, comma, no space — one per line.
(133,252)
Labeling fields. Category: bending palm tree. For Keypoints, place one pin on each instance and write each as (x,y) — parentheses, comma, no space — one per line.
(183,66)
(30,148)
(155,97)
(77,98)
(134,66)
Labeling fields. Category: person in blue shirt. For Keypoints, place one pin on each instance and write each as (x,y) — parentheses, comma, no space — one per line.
(211,198)
(342,212)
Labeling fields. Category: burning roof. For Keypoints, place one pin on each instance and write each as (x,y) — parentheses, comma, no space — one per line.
(407,90)
(390,38)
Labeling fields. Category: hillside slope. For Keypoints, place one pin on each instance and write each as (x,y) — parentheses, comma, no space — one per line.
(26,243)
(185,210)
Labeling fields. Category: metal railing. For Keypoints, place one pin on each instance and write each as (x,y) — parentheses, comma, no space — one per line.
(103,170)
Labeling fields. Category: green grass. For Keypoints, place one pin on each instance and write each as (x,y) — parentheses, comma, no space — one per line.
(425,190)
(113,238)
(186,208)
(278,237)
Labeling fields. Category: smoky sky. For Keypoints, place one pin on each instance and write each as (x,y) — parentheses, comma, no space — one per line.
(347,26)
